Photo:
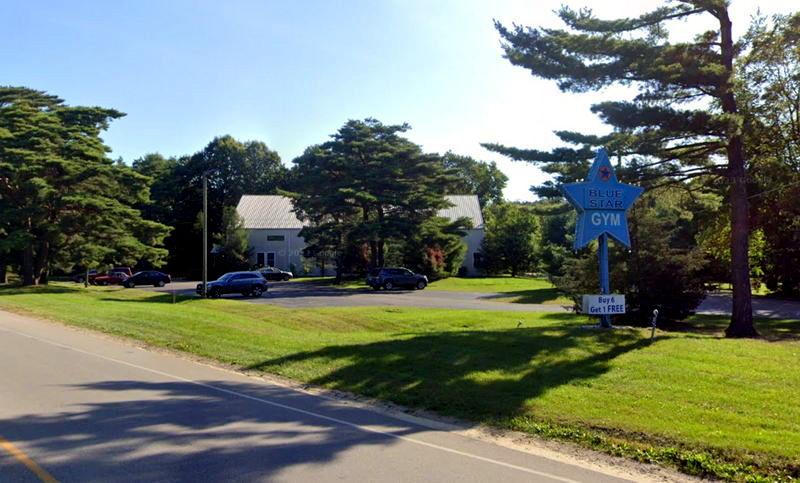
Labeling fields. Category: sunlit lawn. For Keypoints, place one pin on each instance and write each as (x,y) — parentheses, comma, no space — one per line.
(695,393)
(522,290)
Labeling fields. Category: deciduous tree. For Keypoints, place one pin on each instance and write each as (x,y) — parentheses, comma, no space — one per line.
(473,177)
(512,239)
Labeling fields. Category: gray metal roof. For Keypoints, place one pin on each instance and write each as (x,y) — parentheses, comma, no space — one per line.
(267,211)
(464,205)
(272,211)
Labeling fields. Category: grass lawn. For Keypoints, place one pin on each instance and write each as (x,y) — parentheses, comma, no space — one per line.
(520,290)
(707,405)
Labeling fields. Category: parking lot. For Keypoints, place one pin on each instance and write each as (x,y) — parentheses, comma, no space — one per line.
(298,294)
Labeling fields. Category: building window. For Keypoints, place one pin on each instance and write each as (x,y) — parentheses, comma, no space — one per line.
(275,238)
(477,260)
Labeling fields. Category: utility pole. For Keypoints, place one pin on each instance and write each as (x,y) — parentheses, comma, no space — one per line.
(206,174)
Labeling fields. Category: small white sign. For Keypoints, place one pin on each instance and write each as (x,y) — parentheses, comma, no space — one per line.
(603,304)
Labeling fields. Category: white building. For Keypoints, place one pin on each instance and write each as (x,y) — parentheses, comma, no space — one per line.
(273,231)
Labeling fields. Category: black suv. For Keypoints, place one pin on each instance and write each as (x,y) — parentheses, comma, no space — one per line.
(245,283)
(272,273)
(391,277)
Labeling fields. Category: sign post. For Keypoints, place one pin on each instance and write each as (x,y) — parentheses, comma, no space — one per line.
(602,203)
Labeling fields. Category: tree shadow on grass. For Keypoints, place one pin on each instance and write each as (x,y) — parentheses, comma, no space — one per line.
(155,298)
(475,375)
(534,296)
(16,289)
(714,325)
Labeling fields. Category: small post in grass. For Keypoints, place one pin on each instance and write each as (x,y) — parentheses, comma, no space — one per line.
(602,203)
(653,329)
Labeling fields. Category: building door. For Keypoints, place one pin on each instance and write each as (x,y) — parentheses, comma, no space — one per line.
(260,259)
(270,259)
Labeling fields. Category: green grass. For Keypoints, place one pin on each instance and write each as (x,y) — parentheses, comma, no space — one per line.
(705,404)
(520,290)
(760,290)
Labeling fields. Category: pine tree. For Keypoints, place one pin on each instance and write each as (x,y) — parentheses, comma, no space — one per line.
(62,200)
(367,185)
(663,123)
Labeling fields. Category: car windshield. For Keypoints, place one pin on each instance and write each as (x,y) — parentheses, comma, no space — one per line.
(374,272)
(137,274)
(226,277)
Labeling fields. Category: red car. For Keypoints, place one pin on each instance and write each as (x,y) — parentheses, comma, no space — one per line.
(115,276)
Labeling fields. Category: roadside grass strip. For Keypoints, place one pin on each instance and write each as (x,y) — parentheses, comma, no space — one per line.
(706,405)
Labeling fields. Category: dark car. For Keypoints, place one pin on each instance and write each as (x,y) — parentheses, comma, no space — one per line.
(272,273)
(391,277)
(148,277)
(245,283)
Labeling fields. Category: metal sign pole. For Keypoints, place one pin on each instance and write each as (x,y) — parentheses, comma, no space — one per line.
(605,285)
(602,203)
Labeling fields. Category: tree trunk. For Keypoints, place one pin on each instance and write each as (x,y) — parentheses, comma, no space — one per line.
(3,272)
(28,277)
(373,253)
(42,263)
(741,324)
(381,239)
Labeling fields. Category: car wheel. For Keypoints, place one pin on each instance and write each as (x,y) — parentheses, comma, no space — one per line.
(376,287)
(130,284)
(257,291)
(285,278)
(421,284)
(79,280)
(388,285)
(102,283)
(214,293)
(160,283)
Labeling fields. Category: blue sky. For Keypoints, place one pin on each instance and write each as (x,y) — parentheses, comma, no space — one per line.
(290,73)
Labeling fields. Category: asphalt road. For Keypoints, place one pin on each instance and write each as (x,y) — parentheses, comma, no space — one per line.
(78,406)
(310,295)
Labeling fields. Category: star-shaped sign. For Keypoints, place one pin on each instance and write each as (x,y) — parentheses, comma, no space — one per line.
(601,202)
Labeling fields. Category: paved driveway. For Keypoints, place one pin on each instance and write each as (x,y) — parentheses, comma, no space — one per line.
(721,304)
(309,295)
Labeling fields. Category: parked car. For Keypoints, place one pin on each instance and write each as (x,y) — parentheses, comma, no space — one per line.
(94,274)
(147,277)
(246,283)
(391,277)
(110,278)
(79,276)
(126,270)
(272,273)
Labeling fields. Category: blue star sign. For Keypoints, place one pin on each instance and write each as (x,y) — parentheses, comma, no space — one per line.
(601,202)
